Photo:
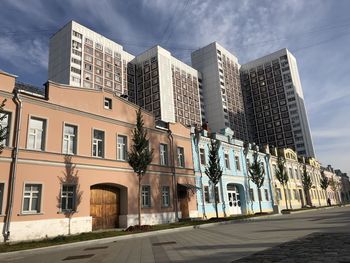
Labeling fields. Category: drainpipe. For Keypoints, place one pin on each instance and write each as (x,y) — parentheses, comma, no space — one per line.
(12,179)
(171,140)
(197,136)
(269,172)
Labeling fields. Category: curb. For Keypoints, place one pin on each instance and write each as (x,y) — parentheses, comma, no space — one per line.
(132,236)
(315,209)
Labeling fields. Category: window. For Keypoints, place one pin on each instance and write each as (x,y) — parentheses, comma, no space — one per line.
(259,195)
(121,147)
(251,194)
(217,196)
(238,166)
(32,198)
(146,196)
(279,194)
(180,157)
(70,139)
(291,173)
(165,196)
(108,103)
(202,156)
(227,161)
(163,154)
(68,193)
(206,194)
(5,120)
(2,188)
(266,195)
(36,137)
(98,143)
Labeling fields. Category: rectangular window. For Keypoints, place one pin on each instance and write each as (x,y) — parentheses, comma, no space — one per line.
(180,157)
(279,194)
(251,194)
(2,188)
(122,148)
(108,103)
(206,194)
(5,120)
(32,198)
(217,196)
(98,143)
(146,196)
(259,195)
(68,195)
(202,156)
(266,195)
(70,139)
(36,137)
(238,166)
(163,154)
(165,196)
(290,173)
(227,161)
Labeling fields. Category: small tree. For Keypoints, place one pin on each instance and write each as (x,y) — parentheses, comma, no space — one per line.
(282,175)
(213,170)
(324,182)
(3,130)
(335,187)
(257,175)
(307,184)
(140,155)
(70,179)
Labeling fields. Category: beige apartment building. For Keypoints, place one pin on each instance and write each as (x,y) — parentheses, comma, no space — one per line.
(66,172)
(296,196)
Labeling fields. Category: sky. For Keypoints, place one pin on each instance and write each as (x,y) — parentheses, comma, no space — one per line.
(317,32)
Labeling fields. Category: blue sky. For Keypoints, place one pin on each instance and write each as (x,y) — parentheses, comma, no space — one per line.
(317,32)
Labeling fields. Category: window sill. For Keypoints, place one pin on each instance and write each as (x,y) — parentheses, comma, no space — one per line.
(67,212)
(146,207)
(30,214)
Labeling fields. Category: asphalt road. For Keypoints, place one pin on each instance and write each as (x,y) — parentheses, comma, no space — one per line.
(317,236)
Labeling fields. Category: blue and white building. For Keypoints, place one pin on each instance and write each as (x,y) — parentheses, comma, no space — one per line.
(235,193)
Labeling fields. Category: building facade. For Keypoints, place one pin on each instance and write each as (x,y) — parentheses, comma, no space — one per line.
(81,57)
(167,87)
(68,166)
(274,101)
(235,193)
(154,80)
(221,89)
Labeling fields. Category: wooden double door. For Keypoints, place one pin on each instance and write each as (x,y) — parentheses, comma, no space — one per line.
(104,206)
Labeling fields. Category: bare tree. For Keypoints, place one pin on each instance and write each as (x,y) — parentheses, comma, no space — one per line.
(70,196)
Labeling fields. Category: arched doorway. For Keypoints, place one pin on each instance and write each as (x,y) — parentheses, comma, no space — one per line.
(234,200)
(104,206)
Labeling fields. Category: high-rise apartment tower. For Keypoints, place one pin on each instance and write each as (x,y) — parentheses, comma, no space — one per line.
(274,102)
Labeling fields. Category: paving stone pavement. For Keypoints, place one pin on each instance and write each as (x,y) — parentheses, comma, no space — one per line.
(316,247)
(315,236)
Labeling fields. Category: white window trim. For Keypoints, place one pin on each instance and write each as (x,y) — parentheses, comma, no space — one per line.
(74,198)
(41,199)
(126,146)
(150,196)
(181,165)
(45,131)
(92,143)
(76,137)
(166,155)
(169,199)
(110,100)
